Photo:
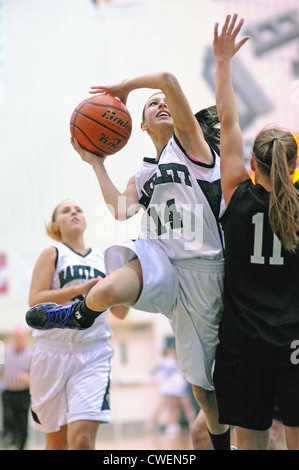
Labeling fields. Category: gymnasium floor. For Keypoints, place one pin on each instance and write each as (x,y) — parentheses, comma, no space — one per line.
(119,438)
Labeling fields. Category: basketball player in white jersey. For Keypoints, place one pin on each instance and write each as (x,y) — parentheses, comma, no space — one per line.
(70,370)
(176,265)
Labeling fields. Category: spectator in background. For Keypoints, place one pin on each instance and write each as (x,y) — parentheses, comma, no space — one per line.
(174,394)
(16,395)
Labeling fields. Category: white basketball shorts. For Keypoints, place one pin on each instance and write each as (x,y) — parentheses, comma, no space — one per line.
(188,293)
(160,285)
(68,385)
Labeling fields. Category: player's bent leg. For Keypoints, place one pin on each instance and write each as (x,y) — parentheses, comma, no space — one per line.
(121,287)
(219,433)
(199,433)
(208,403)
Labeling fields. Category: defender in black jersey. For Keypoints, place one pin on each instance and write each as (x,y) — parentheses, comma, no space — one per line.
(256,360)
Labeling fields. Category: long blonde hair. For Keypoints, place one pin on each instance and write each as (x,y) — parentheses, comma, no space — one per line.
(275,151)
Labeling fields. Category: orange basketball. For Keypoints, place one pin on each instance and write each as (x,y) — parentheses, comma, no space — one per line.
(101,124)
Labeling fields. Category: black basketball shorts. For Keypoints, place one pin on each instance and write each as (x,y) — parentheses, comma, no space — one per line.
(247,394)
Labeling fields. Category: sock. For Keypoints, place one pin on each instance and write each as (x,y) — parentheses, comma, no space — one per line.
(85,317)
(221,441)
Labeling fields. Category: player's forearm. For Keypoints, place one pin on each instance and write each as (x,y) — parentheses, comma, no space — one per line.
(225,95)
(58,296)
(161,80)
(116,202)
(110,192)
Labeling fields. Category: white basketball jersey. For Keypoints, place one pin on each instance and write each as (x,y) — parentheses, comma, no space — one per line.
(73,269)
(182,201)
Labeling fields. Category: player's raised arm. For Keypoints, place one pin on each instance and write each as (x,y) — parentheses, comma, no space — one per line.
(186,126)
(233,170)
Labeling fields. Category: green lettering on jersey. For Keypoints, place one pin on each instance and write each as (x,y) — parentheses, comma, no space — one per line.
(166,173)
(78,271)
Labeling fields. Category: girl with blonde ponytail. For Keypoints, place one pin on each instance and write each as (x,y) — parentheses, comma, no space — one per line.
(256,362)
(275,151)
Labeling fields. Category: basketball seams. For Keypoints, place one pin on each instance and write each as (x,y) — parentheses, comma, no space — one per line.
(101,124)
(86,136)
(106,128)
(105,106)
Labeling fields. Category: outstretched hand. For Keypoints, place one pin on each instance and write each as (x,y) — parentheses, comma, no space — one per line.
(225,45)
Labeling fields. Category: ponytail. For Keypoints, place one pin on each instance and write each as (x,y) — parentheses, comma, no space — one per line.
(275,152)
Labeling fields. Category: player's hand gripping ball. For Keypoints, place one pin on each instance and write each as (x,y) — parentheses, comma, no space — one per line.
(101,124)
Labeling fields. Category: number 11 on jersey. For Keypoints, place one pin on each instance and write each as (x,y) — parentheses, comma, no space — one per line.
(257,257)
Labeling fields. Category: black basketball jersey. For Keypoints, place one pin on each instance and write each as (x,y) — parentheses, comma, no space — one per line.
(261,293)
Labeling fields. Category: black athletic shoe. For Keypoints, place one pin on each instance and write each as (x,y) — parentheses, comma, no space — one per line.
(49,315)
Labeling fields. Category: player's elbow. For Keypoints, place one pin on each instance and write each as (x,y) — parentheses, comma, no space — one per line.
(126,212)
(227,120)
(121,215)
(118,213)
(168,80)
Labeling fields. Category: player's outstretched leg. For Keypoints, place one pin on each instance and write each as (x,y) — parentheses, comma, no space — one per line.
(122,286)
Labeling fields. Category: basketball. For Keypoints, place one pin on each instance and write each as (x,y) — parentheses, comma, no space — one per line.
(101,124)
